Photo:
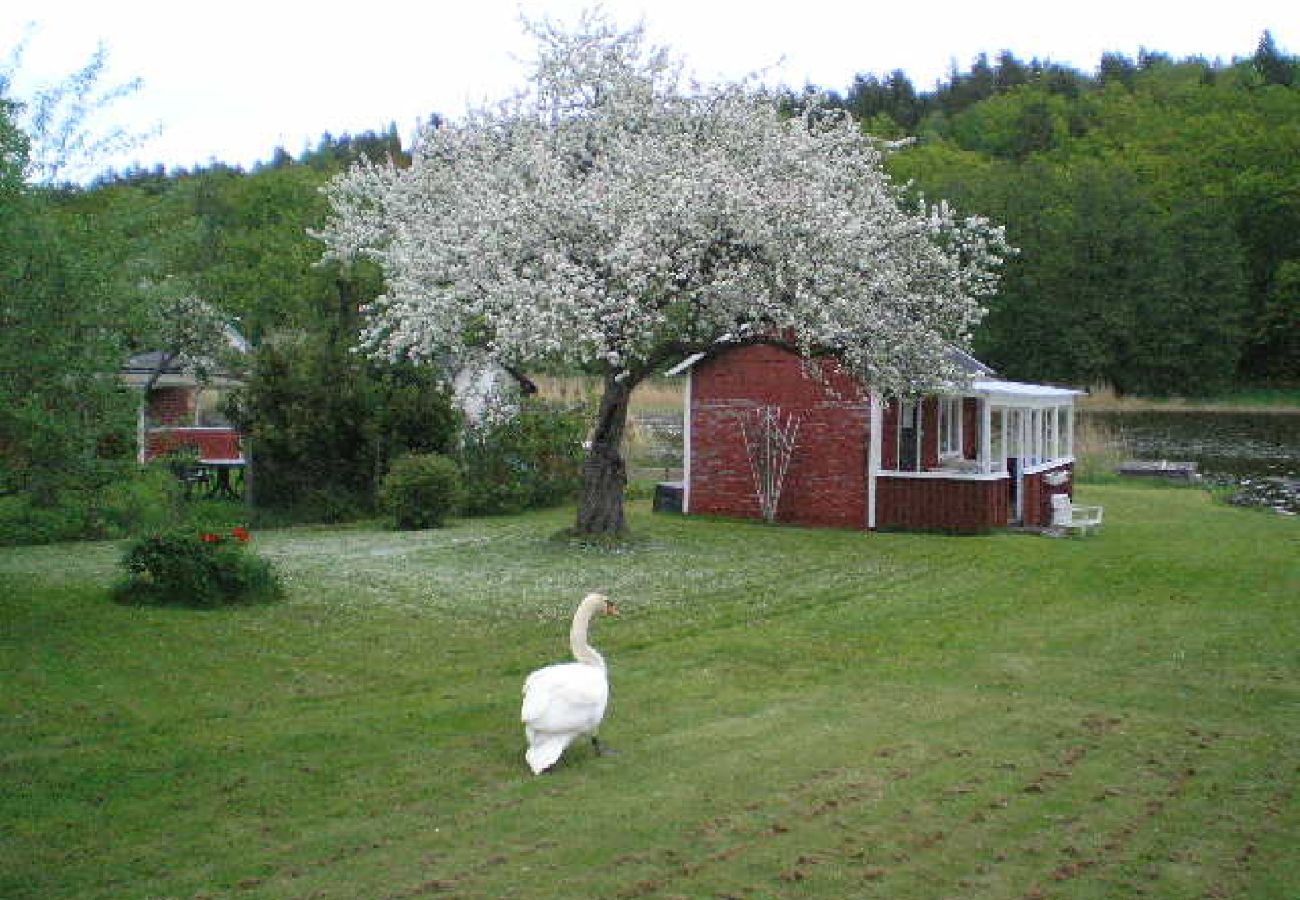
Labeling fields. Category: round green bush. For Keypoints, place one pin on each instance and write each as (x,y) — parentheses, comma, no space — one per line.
(196,568)
(420,491)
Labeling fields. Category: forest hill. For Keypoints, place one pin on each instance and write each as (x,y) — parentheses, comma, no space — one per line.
(1155,204)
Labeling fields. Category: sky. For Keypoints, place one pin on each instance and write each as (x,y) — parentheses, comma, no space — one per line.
(231,80)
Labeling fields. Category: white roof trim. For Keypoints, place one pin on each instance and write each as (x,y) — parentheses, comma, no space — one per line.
(1019,393)
(685,365)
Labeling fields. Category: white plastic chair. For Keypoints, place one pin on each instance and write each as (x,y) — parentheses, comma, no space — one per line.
(1068,517)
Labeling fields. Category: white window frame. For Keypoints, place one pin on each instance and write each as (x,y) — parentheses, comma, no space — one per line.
(950,427)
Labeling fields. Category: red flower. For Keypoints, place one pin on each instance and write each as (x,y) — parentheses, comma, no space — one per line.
(210,538)
(241,534)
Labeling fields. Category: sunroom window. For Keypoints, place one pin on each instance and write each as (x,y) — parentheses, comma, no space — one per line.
(950,425)
(210,409)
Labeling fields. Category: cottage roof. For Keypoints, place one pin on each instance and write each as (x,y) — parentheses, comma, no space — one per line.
(983,381)
(968,364)
(178,370)
(685,365)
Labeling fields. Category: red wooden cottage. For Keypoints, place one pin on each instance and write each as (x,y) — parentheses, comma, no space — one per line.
(180,412)
(766,438)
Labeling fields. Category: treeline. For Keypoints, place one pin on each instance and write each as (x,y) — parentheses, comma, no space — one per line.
(1155,204)
(239,239)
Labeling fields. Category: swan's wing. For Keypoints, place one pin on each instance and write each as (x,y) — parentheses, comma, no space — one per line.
(566,697)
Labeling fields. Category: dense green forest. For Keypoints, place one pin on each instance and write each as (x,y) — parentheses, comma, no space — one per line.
(1155,204)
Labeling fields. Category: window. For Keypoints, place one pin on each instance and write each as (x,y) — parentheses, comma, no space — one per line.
(210,409)
(950,423)
(909,437)
(998,449)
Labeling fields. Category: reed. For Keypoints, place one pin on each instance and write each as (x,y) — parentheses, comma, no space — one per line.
(1104,398)
(1099,448)
(658,395)
(651,453)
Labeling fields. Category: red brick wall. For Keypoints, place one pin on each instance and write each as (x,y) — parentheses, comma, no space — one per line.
(945,504)
(826,482)
(171,406)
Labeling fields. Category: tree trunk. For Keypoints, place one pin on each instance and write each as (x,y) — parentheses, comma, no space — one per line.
(604,474)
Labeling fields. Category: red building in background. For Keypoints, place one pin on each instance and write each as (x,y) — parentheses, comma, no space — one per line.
(180,412)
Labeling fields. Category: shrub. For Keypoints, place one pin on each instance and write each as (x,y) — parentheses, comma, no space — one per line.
(23,521)
(306,411)
(529,460)
(196,568)
(141,501)
(420,491)
(323,425)
(120,500)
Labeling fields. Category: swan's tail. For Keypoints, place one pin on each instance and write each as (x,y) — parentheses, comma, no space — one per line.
(544,750)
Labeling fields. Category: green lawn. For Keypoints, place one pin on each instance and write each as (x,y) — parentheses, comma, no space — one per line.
(799,714)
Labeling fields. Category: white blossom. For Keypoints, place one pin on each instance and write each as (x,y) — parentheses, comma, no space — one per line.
(613,217)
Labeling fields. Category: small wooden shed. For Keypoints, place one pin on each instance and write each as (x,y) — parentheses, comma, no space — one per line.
(769,434)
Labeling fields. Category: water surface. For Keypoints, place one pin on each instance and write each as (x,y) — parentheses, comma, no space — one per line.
(1258,452)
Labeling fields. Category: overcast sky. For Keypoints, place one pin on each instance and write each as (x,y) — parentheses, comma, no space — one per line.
(231,80)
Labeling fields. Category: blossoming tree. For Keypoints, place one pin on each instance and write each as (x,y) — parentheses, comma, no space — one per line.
(616,217)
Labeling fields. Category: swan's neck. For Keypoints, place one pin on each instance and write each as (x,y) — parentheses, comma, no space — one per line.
(582,651)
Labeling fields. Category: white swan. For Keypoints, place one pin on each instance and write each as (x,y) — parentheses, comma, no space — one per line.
(566,700)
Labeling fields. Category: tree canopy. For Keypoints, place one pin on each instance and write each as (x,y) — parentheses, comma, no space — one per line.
(614,217)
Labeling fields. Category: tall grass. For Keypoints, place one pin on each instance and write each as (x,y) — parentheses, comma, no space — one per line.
(654,396)
(648,454)
(664,395)
(1099,449)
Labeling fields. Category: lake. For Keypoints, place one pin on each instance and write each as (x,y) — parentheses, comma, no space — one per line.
(1258,452)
